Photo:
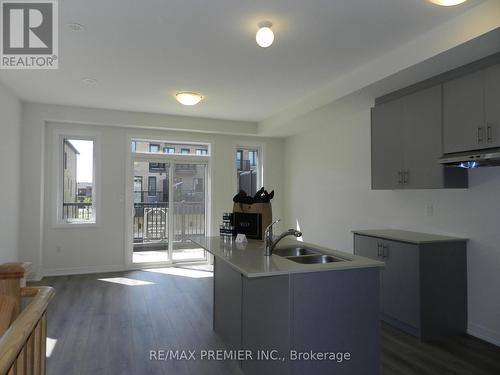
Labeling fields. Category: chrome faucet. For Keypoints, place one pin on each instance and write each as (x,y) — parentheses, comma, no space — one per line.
(268,237)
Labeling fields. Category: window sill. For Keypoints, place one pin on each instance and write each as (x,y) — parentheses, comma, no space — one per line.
(76,225)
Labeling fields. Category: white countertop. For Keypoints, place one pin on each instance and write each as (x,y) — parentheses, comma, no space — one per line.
(249,258)
(407,236)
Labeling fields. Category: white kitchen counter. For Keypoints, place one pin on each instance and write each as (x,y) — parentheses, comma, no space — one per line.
(250,261)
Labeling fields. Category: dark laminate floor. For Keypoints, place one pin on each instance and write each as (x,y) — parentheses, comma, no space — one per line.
(108,328)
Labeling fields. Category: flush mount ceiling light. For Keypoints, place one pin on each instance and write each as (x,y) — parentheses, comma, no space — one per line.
(73,26)
(447,3)
(264,36)
(188,97)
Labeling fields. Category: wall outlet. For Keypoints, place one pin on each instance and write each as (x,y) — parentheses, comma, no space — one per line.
(429,209)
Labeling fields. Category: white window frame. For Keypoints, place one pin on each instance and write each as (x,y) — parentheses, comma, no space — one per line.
(57,164)
(260,163)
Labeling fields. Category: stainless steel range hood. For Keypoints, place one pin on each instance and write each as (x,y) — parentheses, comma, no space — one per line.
(472,159)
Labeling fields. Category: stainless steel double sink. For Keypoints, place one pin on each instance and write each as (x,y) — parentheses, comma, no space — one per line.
(305,255)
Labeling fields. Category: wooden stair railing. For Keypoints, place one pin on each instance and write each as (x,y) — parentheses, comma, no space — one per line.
(23,333)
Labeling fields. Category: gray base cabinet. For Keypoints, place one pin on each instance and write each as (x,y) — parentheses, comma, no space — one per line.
(330,311)
(423,289)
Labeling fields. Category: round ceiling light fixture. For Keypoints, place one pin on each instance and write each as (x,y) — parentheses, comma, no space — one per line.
(447,3)
(188,97)
(264,36)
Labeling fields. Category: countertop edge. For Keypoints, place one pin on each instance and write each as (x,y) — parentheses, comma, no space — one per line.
(407,240)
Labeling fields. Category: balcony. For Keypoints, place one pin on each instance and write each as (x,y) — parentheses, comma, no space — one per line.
(151,230)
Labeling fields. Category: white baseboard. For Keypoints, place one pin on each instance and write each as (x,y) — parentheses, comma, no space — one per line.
(82,270)
(483,333)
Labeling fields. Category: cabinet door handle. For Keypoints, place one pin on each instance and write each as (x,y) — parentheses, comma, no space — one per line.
(406,176)
(489,133)
(385,251)
(479,134)
(379,250)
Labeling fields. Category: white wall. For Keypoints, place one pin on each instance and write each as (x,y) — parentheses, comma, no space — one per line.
(327,177)
(64,251)
(10,151)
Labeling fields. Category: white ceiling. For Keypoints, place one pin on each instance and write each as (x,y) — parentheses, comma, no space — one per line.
(142,52)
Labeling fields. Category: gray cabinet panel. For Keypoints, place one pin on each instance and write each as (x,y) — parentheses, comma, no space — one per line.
(492,106)
(347,320)
(227,299)
(399,285)
(463,113)
(387,145)
(265,322)
(423,139)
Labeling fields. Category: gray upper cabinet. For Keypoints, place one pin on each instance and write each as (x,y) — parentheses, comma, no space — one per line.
(387,141)
(463,113)
(472,111)
(492,106)
(422,139)
(407,143)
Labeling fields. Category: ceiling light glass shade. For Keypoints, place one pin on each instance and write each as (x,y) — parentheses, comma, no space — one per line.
(447,3)
(264,37)
(188,98)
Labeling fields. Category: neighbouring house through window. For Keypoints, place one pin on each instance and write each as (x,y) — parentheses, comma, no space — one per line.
(201,151)
(78,182)
(170,148)
(247,170)
(154,148)
(152,186)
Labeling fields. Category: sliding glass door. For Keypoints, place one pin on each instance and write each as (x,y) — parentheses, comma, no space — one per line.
(151,212)
(169,206)
(189,208)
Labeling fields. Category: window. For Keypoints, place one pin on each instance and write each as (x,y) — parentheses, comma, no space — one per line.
(77,198)
(252,156)
(169,147)
(154,148)
(239,159)
(198,185)
(201,151)
(152,186)
(247,171)
(137,183)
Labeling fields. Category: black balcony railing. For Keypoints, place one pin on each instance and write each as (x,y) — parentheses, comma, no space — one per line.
(150,224)
(77,211)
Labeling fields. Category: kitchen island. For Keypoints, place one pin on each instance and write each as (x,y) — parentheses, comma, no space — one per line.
(295,318)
